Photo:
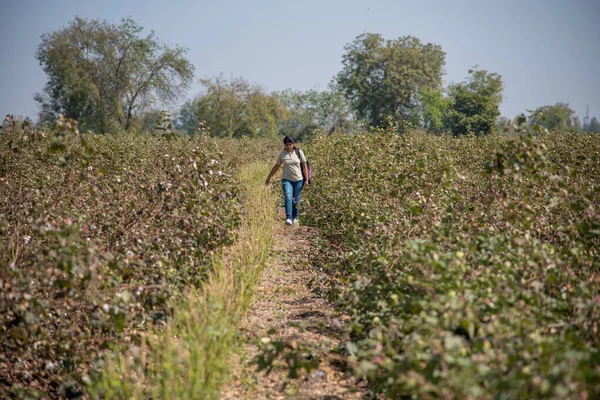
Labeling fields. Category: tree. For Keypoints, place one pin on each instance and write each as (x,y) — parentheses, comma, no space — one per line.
(237,108)
(474,104)
(593,126)
(558,116)
(146,120)
(432,107)
(186,119)
(103,74)
(577,124)
(384,78)
(313,109)
(301,116)
(503,124)
(332,108)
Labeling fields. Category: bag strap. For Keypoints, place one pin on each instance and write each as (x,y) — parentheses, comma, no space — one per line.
(300,158)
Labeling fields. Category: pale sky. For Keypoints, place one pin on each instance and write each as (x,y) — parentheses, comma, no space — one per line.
(547,51)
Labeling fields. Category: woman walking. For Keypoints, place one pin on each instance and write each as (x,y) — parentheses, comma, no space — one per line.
(292,180)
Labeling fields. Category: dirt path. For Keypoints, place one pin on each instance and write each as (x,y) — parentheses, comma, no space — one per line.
(283,302)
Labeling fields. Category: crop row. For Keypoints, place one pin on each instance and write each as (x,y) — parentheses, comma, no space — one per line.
(470,266)
(96,235)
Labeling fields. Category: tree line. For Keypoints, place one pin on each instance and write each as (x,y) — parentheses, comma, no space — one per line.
(110,77)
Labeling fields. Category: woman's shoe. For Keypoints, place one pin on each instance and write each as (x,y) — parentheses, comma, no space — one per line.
(288,221)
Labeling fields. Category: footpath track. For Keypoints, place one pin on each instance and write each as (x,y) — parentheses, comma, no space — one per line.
(257,285)
(284,303)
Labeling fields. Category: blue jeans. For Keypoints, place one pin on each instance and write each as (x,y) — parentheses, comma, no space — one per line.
(291,197)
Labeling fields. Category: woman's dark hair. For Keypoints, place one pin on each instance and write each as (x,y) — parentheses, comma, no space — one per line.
(287,140)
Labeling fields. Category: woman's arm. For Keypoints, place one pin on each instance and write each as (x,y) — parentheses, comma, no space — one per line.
(305,173)
(273,170)
(304,168)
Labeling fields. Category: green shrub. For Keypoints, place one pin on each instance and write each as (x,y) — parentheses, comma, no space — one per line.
(97,234)
(470,266)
